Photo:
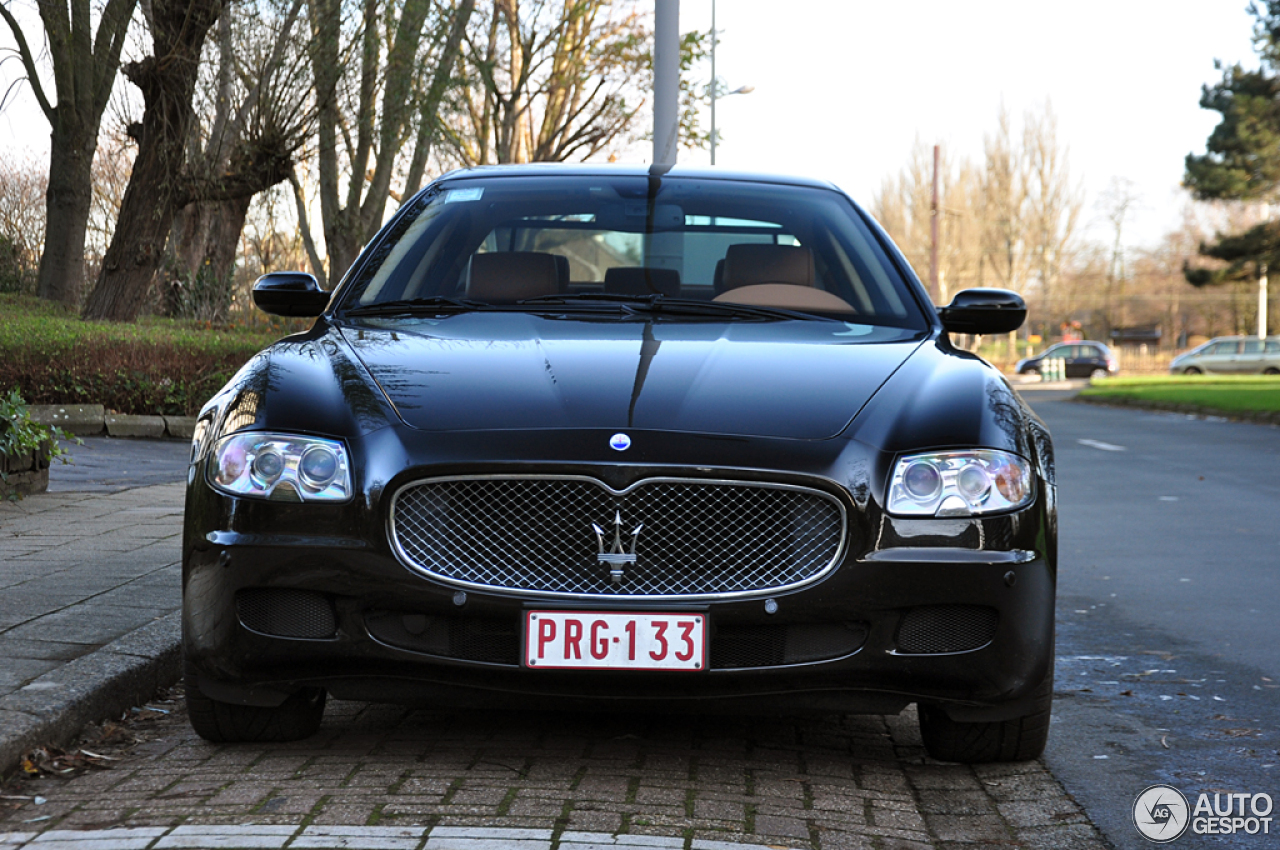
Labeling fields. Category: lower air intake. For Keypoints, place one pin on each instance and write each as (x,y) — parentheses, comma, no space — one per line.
(934,629)
(736,647)
(286,613)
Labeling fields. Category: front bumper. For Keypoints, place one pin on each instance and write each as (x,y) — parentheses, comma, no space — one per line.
(953,612)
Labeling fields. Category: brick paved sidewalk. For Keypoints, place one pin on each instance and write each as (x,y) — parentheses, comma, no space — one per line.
(413,779)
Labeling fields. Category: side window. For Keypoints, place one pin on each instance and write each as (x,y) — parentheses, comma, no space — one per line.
(1273,347)
(1252,346)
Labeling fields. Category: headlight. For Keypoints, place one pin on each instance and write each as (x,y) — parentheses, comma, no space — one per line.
(280,467)
(960,483)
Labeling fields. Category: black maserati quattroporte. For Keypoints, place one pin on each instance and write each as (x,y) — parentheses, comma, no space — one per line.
(666,439)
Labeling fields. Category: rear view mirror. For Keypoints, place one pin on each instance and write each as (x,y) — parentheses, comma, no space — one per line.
(634,216)
(289,294)
(984,311)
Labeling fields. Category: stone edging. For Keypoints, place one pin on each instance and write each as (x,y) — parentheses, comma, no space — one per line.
(88,420)
(53,708)
(1260,417)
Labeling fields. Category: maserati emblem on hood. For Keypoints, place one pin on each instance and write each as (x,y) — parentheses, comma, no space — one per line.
(621,442)
(617,557)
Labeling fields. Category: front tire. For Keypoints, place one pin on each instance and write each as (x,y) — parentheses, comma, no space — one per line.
(1192,370)
(1020,739)
(296,718)
(1099,373)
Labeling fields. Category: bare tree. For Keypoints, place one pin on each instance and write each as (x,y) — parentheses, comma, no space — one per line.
(112,165)
(371,106)
(167,80)
(22,187)
(1004,194)
(1053,207)
(904,207)
(549,82)
(259,103)
(84,72)
(1116,202)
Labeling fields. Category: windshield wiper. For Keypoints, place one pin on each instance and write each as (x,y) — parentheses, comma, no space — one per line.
(658,303)
(430,304)
(578,297)
(692,307)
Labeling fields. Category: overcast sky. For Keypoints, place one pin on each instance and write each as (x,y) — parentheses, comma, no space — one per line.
(844,88)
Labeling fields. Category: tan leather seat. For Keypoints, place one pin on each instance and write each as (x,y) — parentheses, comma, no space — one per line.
(641,280)
(754,264)
(512,276)
(766,275)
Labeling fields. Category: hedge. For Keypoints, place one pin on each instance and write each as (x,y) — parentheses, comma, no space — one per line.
(156,366)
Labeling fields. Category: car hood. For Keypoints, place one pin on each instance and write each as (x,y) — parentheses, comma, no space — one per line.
(495,371)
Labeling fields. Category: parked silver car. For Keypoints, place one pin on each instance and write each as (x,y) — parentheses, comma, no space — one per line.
(1228,355)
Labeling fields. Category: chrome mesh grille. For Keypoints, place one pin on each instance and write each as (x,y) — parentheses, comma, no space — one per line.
(698,538)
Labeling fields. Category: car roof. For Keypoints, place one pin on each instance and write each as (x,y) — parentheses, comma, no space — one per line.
(589,169)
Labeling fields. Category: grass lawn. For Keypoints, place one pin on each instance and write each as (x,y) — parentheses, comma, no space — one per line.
(154,365)
(1230,394)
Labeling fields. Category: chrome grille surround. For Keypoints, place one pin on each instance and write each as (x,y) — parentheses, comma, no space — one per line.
(702,539)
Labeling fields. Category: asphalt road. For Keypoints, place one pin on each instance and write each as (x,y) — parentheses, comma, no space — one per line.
(108,465)
(1167,641)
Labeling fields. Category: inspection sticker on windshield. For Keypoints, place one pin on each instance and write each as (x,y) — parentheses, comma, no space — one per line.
(575,640)
(453,196)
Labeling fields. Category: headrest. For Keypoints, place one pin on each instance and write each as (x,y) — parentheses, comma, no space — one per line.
(512,276)
(642,280)
(750,264)
(717,279)
(562,271)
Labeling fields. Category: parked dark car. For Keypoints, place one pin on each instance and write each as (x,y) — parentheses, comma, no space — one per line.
(1230,355)
(1083,359)
(602,436)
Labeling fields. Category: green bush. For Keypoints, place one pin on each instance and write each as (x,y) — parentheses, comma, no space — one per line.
(155,366)
(20,436)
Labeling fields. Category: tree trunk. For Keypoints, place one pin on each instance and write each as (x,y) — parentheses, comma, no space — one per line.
(155,191)
(221,254)
(67,201)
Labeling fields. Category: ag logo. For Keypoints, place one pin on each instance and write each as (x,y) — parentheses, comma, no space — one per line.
(1161,813)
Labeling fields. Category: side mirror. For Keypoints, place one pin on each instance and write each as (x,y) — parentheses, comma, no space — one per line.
(984,311)
(289,294)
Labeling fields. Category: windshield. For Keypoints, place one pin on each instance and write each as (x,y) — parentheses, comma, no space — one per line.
(532,241)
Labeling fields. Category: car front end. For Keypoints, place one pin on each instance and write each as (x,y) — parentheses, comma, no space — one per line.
(624,505)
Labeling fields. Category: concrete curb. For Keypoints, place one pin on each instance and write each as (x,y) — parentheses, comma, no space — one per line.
(55,707)
(89,420)
(1258,417)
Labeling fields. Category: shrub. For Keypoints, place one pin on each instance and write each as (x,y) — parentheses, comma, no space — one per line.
(156,366)
(20,436)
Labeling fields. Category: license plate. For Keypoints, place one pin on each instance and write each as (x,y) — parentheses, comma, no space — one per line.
(590,640)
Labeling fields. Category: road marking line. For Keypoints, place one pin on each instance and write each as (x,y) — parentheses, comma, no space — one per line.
(1098,444)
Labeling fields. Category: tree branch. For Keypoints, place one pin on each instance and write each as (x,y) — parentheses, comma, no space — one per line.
(28,62)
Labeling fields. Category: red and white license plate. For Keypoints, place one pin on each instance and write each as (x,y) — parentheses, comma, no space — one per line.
(578,640)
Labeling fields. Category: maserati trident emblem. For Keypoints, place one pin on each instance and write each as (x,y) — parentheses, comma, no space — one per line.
(620,442)
(617,557)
